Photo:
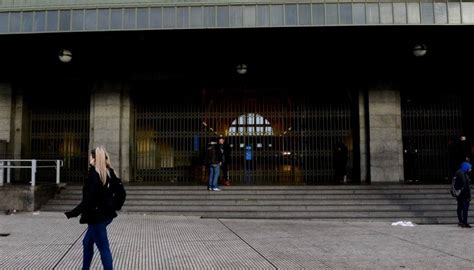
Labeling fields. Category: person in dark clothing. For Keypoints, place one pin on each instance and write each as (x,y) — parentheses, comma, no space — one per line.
(214,158)
(225,161)
(453,165)
(464,151)
(459,152)
(463,183)
(97,208)
(410,153)
(340,162)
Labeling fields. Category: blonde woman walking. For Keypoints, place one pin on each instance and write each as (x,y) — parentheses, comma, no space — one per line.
(98,207)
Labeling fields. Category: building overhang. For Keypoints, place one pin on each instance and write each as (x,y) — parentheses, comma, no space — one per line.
(50,16)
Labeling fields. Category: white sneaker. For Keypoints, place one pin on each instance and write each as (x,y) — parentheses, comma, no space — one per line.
(216,189)
(210,189)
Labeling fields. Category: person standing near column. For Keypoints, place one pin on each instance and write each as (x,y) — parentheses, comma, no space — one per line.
(410,154)
(214,160)
(463,183)
(340,157)
(225,150)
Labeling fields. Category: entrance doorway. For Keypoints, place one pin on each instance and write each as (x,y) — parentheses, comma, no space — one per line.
(275,136)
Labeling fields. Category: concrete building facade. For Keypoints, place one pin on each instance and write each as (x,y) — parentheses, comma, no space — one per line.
(283,81)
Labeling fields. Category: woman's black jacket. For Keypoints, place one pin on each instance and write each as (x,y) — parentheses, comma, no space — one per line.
(97,205)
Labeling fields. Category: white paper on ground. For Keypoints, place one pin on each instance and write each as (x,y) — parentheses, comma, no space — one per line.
(403,224)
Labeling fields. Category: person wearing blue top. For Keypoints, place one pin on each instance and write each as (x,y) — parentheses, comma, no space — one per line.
(463,183)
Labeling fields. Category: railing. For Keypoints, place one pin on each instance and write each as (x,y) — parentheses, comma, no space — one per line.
(33,166)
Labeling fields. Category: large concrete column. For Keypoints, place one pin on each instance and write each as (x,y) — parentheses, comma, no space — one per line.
(125,126)
(5,112)
(362,137)
(386,149)
(20,127)
(110,124)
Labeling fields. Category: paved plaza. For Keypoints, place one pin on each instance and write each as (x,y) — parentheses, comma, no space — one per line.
(46,240)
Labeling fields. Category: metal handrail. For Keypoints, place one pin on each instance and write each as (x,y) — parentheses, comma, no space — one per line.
(7,164)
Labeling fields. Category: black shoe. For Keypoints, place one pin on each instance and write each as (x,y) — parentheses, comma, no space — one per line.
(466,226)
(460,224)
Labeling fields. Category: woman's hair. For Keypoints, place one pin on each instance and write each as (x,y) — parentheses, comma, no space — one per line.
(102,163)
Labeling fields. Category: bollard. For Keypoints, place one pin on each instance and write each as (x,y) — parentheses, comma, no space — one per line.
(1,173)
(33,172)
(8,172)
(58,168)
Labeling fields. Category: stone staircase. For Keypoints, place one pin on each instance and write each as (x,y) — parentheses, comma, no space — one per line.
(417,203)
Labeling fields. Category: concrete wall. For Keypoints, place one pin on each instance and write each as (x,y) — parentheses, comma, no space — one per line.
(386,149)
(110,124)
(26,198)
(5,112)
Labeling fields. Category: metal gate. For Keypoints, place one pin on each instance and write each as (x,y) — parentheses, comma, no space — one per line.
(275,136)
(429,125)
(59,129)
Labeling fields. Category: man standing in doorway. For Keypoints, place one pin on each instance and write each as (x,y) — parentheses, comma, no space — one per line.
(410,154)
(340,162)
(214,160)
(225,150)
(464,149)
(459,152)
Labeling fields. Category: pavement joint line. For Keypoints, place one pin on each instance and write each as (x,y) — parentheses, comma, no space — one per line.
(69,249)
(412,242)
(274,266)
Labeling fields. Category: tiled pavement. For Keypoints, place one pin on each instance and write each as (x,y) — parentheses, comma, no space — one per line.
(49,241)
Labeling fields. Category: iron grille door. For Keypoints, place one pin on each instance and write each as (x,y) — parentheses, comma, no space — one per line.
(276,136)
(429,124)
(59,129)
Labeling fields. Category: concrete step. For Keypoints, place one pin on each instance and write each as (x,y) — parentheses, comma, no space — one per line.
(296,187)
(223,195)
(418,219)
(425,204)
(223,202)
(265,208)
(300,214)
(276,192)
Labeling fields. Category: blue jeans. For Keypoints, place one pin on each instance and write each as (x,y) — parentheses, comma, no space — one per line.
(97,233)
(214,171)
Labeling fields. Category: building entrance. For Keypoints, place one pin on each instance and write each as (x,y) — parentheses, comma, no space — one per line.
(275,136)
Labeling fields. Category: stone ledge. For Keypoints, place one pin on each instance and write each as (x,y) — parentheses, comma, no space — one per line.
(27,198)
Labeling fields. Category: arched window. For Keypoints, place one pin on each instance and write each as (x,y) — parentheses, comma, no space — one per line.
(250,124)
